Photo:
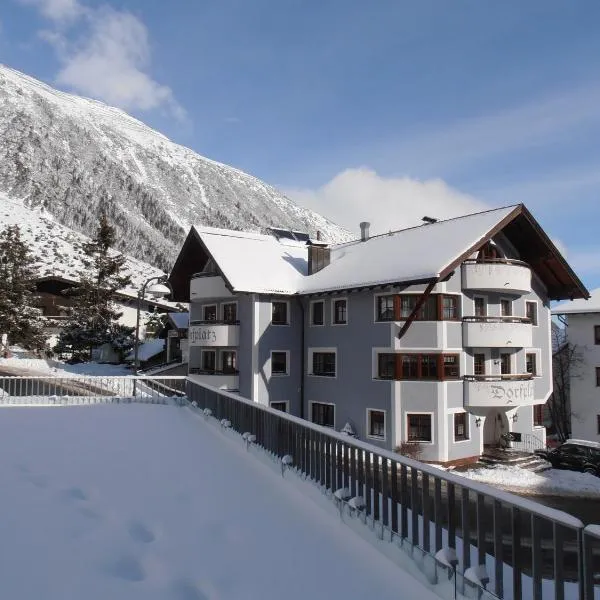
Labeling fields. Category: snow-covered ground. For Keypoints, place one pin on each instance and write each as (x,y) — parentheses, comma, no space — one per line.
(152,502)
(42,366)
(550,482)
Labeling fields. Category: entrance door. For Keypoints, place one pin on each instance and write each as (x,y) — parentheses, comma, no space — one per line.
(495,425)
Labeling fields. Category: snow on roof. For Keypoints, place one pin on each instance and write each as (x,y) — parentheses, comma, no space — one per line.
(580,305)
(180,319)
(253,262)
(148,349)
(157,503)
(412,254)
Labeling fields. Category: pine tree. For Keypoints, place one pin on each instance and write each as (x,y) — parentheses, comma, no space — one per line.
(20,319)
(93,320)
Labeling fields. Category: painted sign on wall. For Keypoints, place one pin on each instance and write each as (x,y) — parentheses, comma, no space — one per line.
(213,335)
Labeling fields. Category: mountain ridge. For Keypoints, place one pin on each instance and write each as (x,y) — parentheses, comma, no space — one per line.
(74,157)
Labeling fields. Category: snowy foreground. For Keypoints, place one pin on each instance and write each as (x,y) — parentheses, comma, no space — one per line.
(151,502)
(552,482)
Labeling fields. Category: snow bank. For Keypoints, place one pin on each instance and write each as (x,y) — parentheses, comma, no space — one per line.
(31,366)
(146,502)
(552,481)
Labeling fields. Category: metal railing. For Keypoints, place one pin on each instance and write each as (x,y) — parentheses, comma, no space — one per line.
(496,319)
(500,377)
(528,443)
(49,390)
(516,547)
(496,261)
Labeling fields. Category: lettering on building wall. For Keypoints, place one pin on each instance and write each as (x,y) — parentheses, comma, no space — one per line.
(202,334)
(504,394)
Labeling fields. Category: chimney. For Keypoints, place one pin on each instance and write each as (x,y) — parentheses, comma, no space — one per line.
(318,236)
(364,231)
(319,256)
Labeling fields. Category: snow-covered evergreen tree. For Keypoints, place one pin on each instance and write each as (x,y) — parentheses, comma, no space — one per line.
(93,319)
(20,319)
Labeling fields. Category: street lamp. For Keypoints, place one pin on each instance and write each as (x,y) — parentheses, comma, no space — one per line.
(159,289)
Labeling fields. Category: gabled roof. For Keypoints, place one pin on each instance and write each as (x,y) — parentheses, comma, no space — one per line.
(257,263)
(180,320)
(580,306)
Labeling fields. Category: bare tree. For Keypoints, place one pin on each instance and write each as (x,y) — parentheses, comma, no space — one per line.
(566,363)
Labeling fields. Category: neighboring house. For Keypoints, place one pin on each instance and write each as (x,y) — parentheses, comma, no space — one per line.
(437,334)
(151,353)
(52,293)
(582,320)
(176,332)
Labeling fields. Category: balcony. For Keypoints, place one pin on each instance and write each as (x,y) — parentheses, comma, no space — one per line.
(223,380)
(497,332)
(206,287)
(497,275)
(500,391)
(214,334)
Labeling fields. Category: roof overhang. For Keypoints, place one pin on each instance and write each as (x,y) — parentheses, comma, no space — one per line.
(192,258)
(537,249)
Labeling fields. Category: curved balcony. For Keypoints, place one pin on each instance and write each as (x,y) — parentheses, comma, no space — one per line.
(214,334)
(224,380)
(496,275)
(497,332)
(501,391)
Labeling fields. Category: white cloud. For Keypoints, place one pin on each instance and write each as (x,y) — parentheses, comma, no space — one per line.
(57,10)
(356,195)
(107,56)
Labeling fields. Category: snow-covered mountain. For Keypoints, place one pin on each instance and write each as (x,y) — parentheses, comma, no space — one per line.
(64,159)
(57,249)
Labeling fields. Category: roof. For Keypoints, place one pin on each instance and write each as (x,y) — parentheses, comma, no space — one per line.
(128,293)
(280,264)
(580,306)
(257,263)
(180,319)
(148,349)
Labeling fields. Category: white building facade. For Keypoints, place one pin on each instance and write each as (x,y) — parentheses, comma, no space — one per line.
(582,321)
(437,336)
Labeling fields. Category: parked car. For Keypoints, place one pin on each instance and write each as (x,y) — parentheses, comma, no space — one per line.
(575,455)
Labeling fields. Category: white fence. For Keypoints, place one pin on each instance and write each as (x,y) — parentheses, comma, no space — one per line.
(49,390)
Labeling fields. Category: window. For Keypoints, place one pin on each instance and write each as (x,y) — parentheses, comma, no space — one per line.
(210,312)
(597,334)
(505,364)
(209,360)
(323,364)
(323,414)
(449,308)
(451,366)
(230,312)
(460,427)
(376,424)
(280,405)
(480,306)
(279,363)
(229,359)
(506,307)
(427,312)
(429,366)
(598,376)
(340,312)
(418,366)
(538,415)
(531,363)
(280,313)
(479,364)
(419,428)
(317,310)
(386,366)
(385,308)
(409,364)
(531,312)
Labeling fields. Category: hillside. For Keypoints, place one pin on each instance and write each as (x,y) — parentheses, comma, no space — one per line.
(71,158)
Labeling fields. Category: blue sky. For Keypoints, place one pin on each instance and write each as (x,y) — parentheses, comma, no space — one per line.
(381,111)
